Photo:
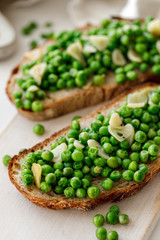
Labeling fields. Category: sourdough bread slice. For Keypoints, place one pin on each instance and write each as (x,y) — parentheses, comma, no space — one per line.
(68,100)
(121,189)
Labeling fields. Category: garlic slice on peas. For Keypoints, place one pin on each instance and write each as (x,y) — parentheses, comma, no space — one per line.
(75,51)
(33,55)
(121,134)
(37,72)
(89,49)
(134,56)
(37,173)
(130,139)
(78,144)
(58,151)
(138,99)
(94,143)
(115,121)
(99,41)
(33,88)
(154,27)
(118,58)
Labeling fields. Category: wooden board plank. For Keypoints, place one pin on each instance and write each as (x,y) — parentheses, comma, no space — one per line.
(34,222)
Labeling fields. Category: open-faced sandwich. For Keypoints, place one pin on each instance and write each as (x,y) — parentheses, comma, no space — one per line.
(105,157)
(84,67)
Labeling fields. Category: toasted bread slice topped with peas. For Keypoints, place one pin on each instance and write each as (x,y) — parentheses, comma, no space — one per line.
(105,157)
(84,67)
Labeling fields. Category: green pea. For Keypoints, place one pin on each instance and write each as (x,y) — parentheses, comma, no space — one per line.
(18,103)
(125,111)
(113,141)
(143,167)
(143,67)
(98,220)
(140,137)
(108,148)
(106,171)
(115,175)
(26,171)
(72,133)
(138,176)
(78,173)
(100,117)
(46,169)
(69,192)
(144,127)
(81,193)
(101,233)
(17,94)
(98,80)
(25,165)
(146,117)
(6,159)
(103,131)
(112,162)
(112,218)
(104,140)
(53,146)
(147,144)
(131,75)
(106,60)
(107,184)
(83,137)
(114,208)
(92,152)
(124,144)
(144,156)
(157,140)
(153,109)
(95,125)
(134,156)
(75,125)
(47,156)
(38,129)
(50,178)
(27,104)
(85,169)
(136,147)
(123,219)
(120,78)
(66,156)
(153,150)
(67,171)
(140,47)
(100,162)
(63,182)
(85,183)
(125,163)
(133,166)
(128,175)
(27,180)
(122,153)
(135,123)
(95,66)
(77,155)
(37,106)
(93,192)
(156,69)
(58,165)
(112,235)
(31,158)
(59,190)
(137,112)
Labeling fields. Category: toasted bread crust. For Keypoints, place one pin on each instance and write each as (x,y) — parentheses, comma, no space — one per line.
(80,99)
(118,192)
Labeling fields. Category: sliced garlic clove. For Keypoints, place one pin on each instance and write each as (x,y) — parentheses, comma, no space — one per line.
(37,72)
(158,46)
(37,173)
(33,55)
(127,130)
(93,143)
(99,41)
(33,88)
(137,99)
(149,100)
(102,154)
(78,144)
(154,27)
(117,133)
(130,138)
(134,56)
(89,49)
(115,121)
(58,151)
(118,58)
(75,51)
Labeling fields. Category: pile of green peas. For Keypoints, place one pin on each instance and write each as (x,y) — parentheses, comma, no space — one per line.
(111,218)
(78,167)
(63,71)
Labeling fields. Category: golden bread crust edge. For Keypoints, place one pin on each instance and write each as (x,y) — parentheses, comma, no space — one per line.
(91,203)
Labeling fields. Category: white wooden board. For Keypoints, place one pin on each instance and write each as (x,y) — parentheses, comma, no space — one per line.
(20,219)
